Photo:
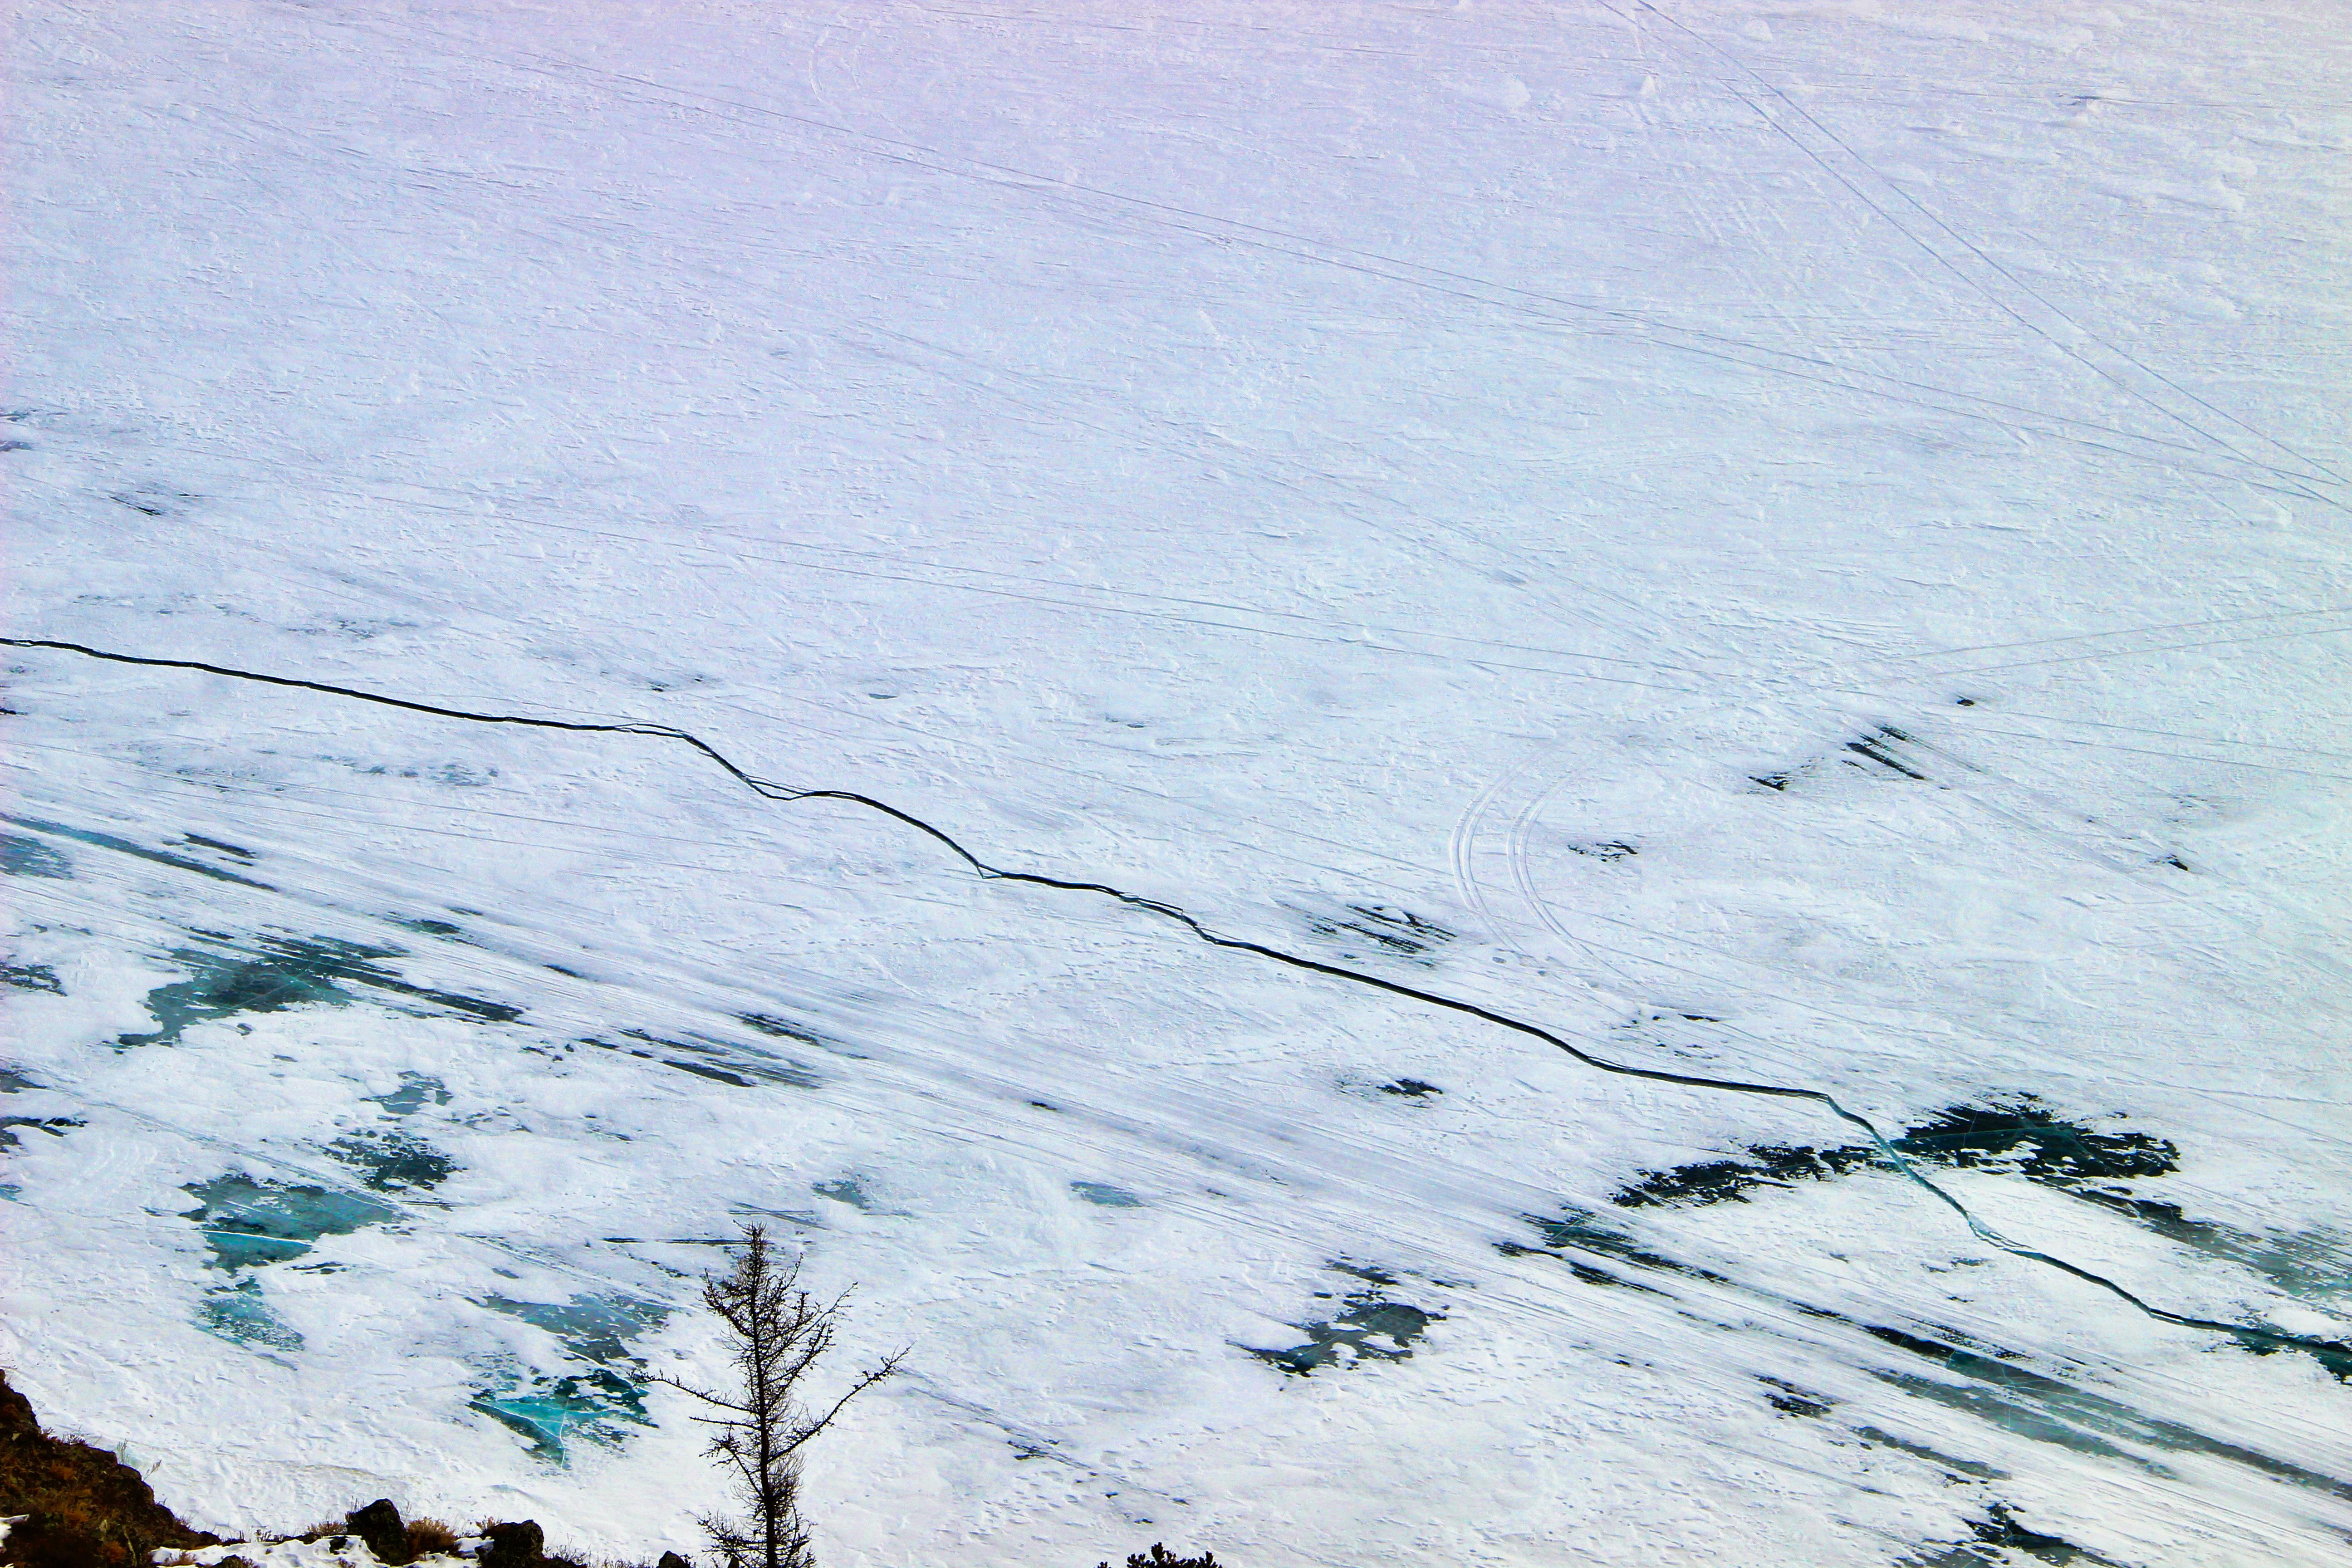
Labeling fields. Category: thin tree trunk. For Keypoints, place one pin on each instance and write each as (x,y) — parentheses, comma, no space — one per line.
(780,1333)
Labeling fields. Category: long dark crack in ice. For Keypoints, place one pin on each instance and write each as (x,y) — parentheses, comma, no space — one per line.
(2254,1337)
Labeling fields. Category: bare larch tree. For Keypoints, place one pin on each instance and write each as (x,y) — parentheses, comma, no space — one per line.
(780,1330)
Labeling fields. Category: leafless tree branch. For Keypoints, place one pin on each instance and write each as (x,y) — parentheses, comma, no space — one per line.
(780,1331)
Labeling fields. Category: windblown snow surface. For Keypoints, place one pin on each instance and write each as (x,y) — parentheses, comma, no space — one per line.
(1791,543)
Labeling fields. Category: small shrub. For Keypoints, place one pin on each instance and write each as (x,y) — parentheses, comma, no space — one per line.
(428,1536)
(1160,1557)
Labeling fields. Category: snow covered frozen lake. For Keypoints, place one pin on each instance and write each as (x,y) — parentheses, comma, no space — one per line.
(1783,545)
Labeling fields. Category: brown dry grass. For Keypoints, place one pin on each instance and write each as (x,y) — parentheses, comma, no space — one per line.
(421,1537)
(83,1508)
(86,1508)
(427,1536)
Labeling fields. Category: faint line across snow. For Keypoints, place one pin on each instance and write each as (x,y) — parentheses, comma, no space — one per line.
(2334,1354)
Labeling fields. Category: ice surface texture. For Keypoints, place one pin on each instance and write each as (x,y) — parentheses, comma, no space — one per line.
(1962,1137)
(1787,546)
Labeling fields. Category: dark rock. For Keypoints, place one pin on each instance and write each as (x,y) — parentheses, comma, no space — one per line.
(379,1525)
(672,1560)
(82,1508)
(521,1544)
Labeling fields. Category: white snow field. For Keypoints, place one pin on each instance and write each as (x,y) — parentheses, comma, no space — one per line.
(1797,544)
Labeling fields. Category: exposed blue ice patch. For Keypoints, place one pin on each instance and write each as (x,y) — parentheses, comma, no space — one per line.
(238,1313)
(2001,1538)
(2312,1266)
(847,1190)
(1369,1326)
(55,1126)
(416,1088)
(201,842)
(280,973)
(598,1328)
(22,856)
(249,1223)
(427,926)
(224,984)
(392,1162)
(2020,1137)
(596,1406)
(2017,1399)
(124,846)
(31,977)
(736,1064)
(1992,1384)
(598,1403)
(1103,1193)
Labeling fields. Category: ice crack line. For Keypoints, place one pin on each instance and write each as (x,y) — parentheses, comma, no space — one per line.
(2333,1353)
